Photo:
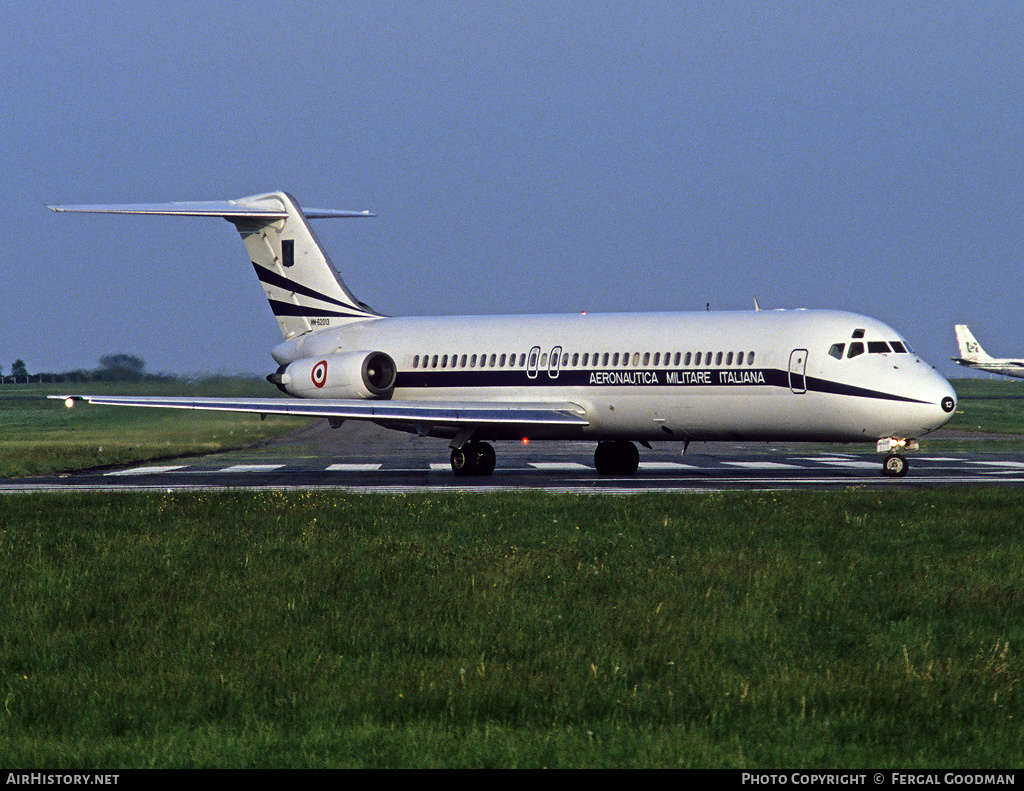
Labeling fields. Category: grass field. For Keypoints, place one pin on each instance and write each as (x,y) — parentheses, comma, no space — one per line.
(844,629)
(747,630)
(39,436)
(989,406)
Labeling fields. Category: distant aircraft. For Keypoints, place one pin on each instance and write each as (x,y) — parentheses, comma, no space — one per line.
(616,379)
(973,356)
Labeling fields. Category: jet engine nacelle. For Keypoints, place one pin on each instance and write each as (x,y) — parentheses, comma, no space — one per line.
(347,375)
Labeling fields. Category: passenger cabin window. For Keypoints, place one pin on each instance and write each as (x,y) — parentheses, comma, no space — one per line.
(837,350)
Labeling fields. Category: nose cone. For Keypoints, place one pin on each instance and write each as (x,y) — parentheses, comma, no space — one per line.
(940,396)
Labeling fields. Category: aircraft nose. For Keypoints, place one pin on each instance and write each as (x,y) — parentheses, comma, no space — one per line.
(943,397)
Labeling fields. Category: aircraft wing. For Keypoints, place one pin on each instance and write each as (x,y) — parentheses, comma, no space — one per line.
(428,413)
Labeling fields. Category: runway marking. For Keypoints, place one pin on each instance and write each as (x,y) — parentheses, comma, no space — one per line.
(146,470)
(762,465)
(667,465)
(1014,465)
(354,467)
(849,464)
(558,466)
(252,468)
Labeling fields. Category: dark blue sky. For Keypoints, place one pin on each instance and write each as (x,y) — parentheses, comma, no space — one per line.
(548,157)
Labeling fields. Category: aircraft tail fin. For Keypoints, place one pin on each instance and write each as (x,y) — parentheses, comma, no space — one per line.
(304,290)
(970,349)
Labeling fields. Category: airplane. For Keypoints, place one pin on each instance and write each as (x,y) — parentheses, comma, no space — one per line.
(973,356)
(616,379)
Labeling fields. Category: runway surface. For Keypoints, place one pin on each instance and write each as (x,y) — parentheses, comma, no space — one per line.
(365,459)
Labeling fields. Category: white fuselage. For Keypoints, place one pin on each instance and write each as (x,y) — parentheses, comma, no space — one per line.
(1005,367)
(763,375)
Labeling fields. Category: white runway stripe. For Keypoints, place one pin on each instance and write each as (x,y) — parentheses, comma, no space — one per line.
(354,467)
(252,468)
(147,470)
(762,465)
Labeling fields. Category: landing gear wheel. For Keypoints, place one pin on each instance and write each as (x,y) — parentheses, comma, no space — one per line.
(464,460)
(473,458)
(894,466)
(616,457)
(485,458)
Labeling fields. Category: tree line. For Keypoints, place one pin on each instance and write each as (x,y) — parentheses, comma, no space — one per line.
(112,368)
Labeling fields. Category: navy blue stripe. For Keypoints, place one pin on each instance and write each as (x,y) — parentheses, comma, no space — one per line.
(272,278)
(288,309)
(745,378)
(836,388)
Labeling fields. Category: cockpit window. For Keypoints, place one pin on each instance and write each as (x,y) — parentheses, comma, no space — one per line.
(837,350)
(855,349)
(898,347)
(878,347)
(858,334)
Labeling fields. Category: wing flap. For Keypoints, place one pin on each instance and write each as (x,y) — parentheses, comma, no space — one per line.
(469,413)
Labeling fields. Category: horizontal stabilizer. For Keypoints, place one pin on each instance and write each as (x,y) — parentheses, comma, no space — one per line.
(304,291)
(228,209)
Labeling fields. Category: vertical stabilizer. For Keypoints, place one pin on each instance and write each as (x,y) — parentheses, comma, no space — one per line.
(970,349)
(303,289)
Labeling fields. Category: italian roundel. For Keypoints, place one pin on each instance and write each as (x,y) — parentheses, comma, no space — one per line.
(319,375)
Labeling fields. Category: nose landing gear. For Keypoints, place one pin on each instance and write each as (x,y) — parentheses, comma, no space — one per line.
(895,464)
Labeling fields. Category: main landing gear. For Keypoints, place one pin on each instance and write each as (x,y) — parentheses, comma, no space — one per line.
(612,457)
(616,457)
(473,458)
